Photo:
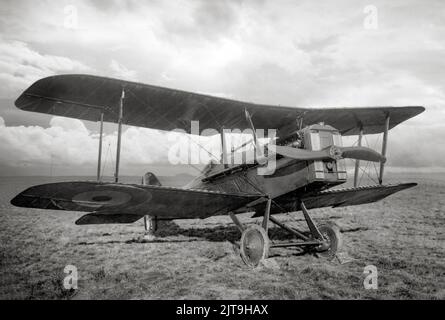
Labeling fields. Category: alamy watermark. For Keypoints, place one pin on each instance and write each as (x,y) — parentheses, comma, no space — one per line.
(186,150)
(70,281)
(371,21)
(371,280)
(71,20)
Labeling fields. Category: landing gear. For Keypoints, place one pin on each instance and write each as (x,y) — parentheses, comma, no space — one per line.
(325,239)
(255,243)
(254,246)
(331,241)
(151,225)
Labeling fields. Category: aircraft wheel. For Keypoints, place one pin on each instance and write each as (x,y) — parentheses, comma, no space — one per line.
(254,245)
(333,241)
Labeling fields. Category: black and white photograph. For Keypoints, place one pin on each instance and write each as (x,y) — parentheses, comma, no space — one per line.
(222,150)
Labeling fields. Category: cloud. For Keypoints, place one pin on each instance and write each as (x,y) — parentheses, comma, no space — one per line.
(301,53)
(20,66)
(70,146)
(122,72)
(67,124)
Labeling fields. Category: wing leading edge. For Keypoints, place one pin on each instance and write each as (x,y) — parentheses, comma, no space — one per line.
(86,97)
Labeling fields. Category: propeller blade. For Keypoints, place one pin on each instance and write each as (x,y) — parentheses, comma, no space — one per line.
(300,154)
(332,152)
(362,153)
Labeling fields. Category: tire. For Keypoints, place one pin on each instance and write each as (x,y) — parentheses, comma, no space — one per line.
(254,245)
(331,233)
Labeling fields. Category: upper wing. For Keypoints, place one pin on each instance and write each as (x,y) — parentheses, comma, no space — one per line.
(123,203)
(86,97)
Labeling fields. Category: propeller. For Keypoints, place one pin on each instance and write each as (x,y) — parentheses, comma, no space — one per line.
(332,152)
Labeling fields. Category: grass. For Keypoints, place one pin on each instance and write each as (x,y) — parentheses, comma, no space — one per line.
(403,236)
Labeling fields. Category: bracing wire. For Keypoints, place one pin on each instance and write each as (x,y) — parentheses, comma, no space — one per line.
(365,171)
(162,116)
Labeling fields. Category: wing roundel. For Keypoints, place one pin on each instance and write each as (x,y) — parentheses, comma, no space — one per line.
(123,203)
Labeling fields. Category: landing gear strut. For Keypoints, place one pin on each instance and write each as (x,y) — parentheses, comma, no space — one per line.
(255,244)
(151,225)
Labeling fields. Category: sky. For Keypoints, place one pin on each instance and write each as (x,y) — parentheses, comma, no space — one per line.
(294,53)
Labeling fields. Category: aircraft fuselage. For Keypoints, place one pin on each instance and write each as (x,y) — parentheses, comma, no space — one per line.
(286,176)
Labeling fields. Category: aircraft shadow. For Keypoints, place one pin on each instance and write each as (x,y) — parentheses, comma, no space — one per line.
(170,232)
(215,233)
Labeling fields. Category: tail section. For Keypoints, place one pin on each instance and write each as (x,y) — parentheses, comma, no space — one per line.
(149,179)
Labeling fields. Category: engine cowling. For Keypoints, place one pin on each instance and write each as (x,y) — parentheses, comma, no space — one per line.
(317,137)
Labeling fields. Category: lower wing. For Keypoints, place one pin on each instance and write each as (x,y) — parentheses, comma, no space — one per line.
(353,196)
(334,198)
(125,203)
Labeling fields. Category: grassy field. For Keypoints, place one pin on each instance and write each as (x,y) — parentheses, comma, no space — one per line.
(403,236)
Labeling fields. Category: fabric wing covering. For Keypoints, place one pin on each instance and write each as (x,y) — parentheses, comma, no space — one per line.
(335,198)
(86,97)
(127,203)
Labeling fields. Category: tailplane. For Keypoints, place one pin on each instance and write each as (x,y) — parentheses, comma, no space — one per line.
(149,179)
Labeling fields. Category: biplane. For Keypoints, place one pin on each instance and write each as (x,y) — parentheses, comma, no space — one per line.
(308,155)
